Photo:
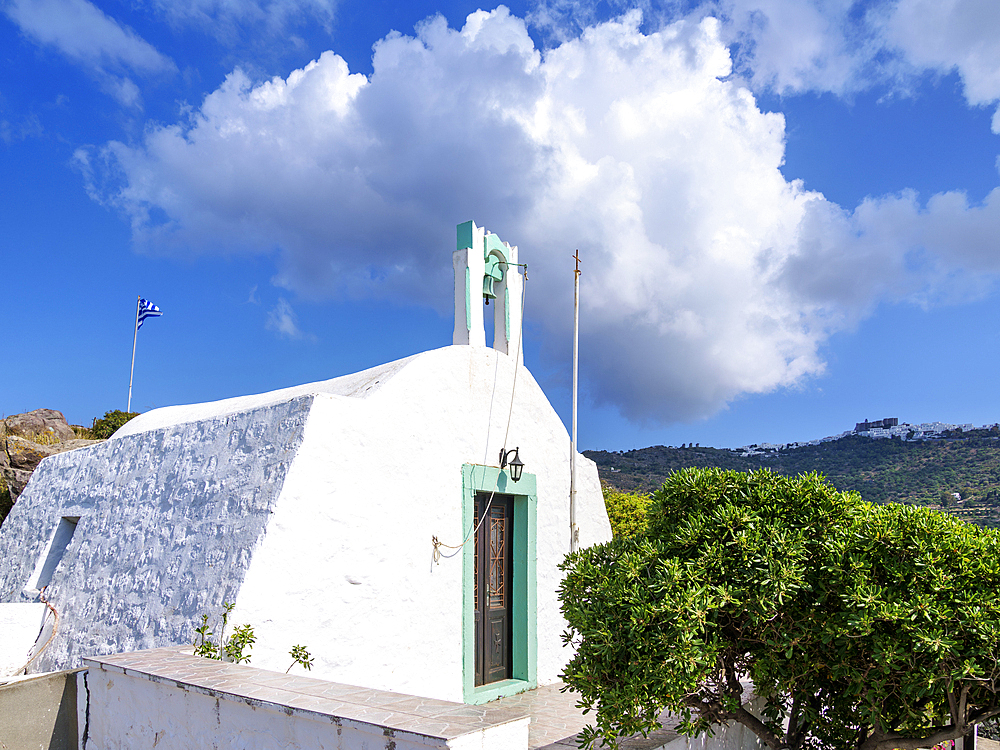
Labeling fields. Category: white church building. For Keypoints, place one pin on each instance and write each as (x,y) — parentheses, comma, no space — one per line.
(367,518)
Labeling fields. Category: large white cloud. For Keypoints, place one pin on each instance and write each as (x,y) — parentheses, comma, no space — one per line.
(707,275)
(843,46)
(786,45)
(839,46)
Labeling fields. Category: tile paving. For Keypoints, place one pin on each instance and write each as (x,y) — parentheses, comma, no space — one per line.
(555,721)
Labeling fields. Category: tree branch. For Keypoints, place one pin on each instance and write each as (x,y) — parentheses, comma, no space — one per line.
(758,727)
(717,713)
(793,721)
(892,740)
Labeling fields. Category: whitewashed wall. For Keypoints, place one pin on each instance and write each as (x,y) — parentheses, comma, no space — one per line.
(168,522)
(349,548)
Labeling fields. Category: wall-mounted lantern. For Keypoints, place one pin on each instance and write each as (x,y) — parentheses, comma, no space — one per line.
(515,465)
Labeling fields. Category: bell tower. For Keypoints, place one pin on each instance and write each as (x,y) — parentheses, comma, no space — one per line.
(486,269)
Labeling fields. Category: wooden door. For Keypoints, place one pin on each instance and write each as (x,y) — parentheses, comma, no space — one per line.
(494,576)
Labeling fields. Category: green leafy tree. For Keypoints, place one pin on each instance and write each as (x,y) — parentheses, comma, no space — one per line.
(107,425)
(626,511)
(858,627)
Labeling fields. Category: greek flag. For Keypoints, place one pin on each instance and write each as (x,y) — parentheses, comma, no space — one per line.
(146,310)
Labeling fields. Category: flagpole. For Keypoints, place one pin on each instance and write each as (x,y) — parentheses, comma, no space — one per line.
(135,334)
(573,533)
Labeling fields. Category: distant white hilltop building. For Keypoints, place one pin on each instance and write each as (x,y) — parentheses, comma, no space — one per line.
(880,429)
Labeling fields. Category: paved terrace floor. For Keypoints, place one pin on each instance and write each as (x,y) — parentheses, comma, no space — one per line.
(556,721)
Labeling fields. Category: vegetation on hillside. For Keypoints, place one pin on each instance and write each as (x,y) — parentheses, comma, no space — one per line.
(918,473)
(6,502)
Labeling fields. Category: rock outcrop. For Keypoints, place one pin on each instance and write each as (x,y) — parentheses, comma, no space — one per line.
(45,424)
(25,439)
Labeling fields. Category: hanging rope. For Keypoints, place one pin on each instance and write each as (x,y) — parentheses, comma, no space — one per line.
(438,554)
(55,628)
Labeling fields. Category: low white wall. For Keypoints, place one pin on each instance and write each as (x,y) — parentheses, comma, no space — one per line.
(129,711)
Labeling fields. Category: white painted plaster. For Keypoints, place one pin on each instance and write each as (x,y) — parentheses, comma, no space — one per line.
(507,305)
(469,330)
(730,736)
(168,522)
(315,514)
(355,385)
(510,736)
(348,551)
(20,624)
(130,711)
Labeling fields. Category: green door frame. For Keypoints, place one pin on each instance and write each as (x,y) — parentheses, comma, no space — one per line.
(524,606)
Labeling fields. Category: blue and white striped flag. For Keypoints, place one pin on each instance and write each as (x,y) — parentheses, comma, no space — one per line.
(146,310)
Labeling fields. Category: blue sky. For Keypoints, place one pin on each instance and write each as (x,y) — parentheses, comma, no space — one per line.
(785,208)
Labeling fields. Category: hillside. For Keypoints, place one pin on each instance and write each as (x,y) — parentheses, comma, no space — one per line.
(924,472)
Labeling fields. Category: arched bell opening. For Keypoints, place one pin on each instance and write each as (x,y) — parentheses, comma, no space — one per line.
(496,299)
(488,285)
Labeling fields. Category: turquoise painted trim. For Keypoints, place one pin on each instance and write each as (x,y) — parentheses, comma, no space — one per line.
(464,236)
(493,244)
(506,312)
(468,299)
(476,478)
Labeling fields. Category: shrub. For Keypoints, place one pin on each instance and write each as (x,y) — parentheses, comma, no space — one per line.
(860,627)
(626,511)
(6,503)
(107,425)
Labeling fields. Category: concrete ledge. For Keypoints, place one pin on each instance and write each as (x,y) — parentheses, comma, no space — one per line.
(176,700)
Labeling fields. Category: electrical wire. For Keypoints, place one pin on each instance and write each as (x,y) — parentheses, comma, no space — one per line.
(438,554)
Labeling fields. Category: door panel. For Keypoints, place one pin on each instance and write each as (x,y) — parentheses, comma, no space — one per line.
(492,599)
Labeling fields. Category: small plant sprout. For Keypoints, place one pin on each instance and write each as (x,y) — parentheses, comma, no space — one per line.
(300,655)
(227,607)
(203,645)
(234,649)
(241,640)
